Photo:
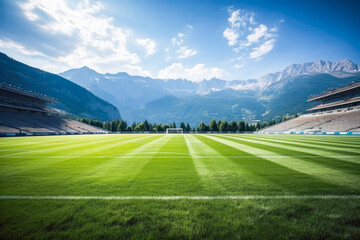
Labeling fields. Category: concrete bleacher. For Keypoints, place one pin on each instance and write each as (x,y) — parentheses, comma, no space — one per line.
(13,122)
(25,112)
(340,120)
(6,129)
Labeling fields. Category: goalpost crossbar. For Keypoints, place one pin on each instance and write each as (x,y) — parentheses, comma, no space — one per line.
(174,130)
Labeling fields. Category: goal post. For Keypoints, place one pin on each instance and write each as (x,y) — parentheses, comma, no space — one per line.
(174,130)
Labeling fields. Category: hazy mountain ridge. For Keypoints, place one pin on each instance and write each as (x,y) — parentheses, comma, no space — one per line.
(72,98)
(86,76)
(136,96)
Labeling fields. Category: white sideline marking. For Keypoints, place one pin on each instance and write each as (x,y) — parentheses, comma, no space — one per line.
(240,197)
(189,155)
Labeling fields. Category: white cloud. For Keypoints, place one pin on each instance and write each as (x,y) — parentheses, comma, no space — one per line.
(148,44)
(178,40)
(243,32)
(186,52)
(135,71)
(8,44)
(239,65)
(183,51)
(197,73)
(190,26)
(235,19)
(240,18)
(258,33)
(96,41)
(252,20)
(262,49)
(231,35)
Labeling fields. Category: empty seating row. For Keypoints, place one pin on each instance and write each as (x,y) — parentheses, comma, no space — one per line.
(31,123)
(330,122)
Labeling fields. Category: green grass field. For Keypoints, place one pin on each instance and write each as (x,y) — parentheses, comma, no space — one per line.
(298,187)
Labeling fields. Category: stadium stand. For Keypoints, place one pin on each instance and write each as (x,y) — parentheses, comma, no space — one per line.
(26,113)
(338,112)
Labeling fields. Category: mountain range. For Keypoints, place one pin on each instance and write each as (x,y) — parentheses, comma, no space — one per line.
(157,100)
(71,97)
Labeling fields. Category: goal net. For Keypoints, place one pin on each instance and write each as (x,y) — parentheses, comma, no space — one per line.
(174,130)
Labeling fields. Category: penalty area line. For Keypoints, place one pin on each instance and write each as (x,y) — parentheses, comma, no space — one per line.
(240,197)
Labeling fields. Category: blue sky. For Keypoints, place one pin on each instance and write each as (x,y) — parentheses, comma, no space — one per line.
(179,39)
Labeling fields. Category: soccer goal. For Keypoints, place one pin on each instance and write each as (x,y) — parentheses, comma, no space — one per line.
(174,130)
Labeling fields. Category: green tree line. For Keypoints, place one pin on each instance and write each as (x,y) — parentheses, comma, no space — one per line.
(213,126)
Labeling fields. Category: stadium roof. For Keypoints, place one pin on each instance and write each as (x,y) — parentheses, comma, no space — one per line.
(335,104)
(45,110)
(21,91)
(351,87)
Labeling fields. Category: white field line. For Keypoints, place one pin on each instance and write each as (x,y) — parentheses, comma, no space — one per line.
(234,197)
(187,156)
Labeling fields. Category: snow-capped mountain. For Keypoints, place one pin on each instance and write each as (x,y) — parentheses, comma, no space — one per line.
(131,94)
(319,66)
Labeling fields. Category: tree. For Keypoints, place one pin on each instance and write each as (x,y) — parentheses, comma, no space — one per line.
(271,122)
(108,126)
(173,125)
(140,127)
(133,126)
(233,126)
(165,126)
(146,125)
(201,127)
(112,126)
(241,126)
(116,124)
(182,125)
(258,125)
(223,126)
(157,127)
(128,129)
(188,128)
(122,126)
(213,125)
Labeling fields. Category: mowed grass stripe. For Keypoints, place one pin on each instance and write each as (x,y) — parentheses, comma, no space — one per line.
(116,175)
(253,176)
(340,140)
(67,146)
(298,149)
(168,176)
(330,162)
(291,180)
(28,143)
(303,163)
(16,166)
(218,173)
(71,174)
(313,141)
(309,146)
